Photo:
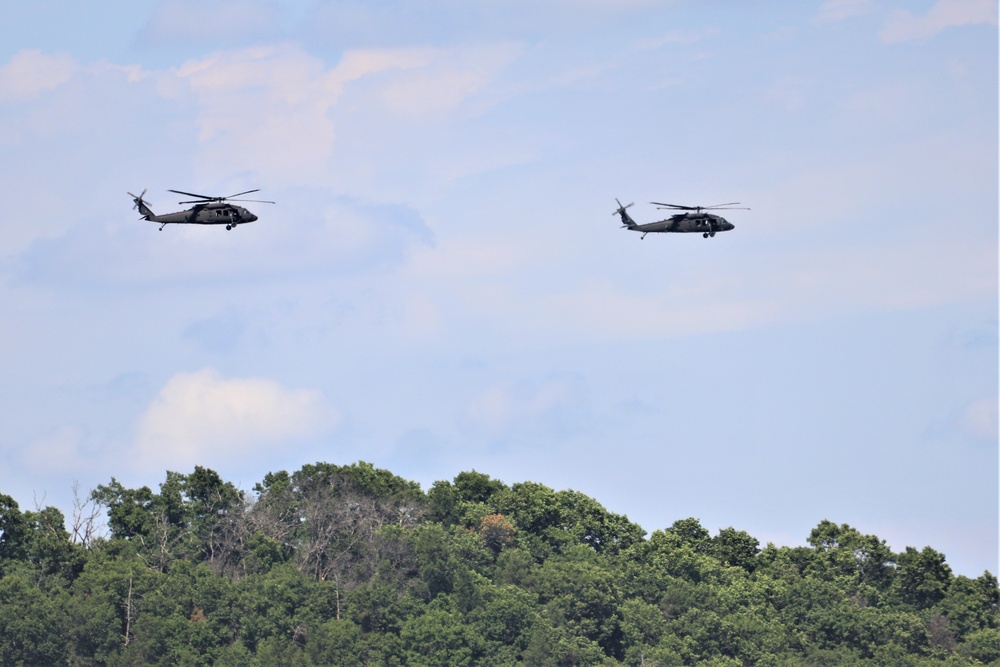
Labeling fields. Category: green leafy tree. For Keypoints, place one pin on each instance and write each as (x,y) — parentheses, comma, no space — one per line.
(445,557)
(379,607)
(665,556)
(477,487)
(506,616)
(692,533)
(130,511)
(532,507)
(218,514)
(440,636)
(274,604)
(557,645)
(583,597)
(922,577)
(549,520)
(736,548)
(108,599)
(515,566)
(843,551)
(48,547)
(589,523)
(196,516)
(13,530)
(642,628)
(983,646)
(442,503)
(31,620)
(971,604)
(337,642)
(285,651)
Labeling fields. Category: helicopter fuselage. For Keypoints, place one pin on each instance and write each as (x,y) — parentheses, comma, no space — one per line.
(686,223)
(207,214)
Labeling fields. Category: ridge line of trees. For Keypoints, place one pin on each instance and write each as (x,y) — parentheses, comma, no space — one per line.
(353,565)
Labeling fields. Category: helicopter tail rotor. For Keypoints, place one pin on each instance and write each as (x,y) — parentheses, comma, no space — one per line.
(622,208)
(139,203)
(136,200)
(626,218)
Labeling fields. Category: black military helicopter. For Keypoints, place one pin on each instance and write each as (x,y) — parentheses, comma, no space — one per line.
(693,219)
(206,210)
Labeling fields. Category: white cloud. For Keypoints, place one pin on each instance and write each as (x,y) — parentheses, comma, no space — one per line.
(202,418)
(31,73)
(453,78)
(271,109)
(264,109)
(903,26)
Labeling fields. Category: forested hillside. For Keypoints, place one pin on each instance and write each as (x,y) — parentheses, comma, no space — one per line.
(352,565)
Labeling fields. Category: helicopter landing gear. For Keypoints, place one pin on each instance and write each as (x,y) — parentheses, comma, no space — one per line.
(704,235)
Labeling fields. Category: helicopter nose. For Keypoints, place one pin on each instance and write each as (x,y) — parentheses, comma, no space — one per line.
(251,217)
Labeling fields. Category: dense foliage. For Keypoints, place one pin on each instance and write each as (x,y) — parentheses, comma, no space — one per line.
(352,565)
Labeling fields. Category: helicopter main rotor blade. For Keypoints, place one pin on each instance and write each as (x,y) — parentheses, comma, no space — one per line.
(219,200)
(677,206)
(191,194)
(240,193)
(731,206)
(204,199)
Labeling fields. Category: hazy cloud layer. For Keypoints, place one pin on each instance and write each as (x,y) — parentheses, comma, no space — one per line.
(903,25)
(31,72)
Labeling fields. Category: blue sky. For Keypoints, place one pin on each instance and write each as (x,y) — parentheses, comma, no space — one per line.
(442,285)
